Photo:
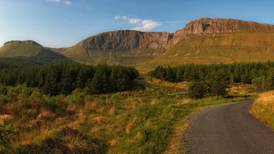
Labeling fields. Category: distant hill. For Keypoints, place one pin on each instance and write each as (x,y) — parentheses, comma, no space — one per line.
(203,41)
(28,51)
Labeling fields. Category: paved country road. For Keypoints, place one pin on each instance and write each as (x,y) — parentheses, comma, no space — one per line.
(228,129)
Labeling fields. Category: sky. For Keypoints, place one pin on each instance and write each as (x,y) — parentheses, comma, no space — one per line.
(63,23)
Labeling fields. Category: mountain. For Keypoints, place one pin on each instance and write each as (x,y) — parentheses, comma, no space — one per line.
(205,26)
(204,40)
(220,41)
(124,46)
(126,40)
(28,50)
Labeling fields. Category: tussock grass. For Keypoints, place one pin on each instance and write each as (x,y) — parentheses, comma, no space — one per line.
(263,108)
(127,122)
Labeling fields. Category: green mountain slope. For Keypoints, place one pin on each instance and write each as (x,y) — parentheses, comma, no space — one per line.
(220,48)
(29,51)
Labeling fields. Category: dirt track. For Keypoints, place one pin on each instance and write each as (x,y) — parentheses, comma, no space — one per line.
(228,129)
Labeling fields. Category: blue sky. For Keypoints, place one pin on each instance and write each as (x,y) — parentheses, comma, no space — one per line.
(62,23)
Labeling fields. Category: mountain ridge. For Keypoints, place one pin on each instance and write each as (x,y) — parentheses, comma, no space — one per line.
(129,39)
(205,40)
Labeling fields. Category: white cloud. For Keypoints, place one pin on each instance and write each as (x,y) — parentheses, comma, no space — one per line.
(65,2)
(139,24)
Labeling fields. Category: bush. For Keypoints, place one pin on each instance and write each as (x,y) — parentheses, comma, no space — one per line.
(77,96)
(4,99)
(36,93)
(198,90)
(3,90)
(6,133)
(19,90)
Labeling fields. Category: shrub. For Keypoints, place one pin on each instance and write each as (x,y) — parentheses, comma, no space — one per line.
(36,93)
(19,90)
(6,133)
(198,90)
(3,90)
(77,96)
(4,99)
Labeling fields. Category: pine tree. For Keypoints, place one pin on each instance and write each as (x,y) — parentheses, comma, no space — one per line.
(198,90)
(100,82)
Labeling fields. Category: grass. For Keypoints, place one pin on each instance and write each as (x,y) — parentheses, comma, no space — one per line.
(126,122)
(222,48)
(263,108)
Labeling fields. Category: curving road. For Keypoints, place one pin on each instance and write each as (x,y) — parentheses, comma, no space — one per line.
(228,129)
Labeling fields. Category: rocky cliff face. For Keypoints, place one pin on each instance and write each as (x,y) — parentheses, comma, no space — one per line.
(208,25)
(126,40)
(205,26)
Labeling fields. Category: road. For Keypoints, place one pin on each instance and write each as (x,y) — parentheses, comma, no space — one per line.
(228,129)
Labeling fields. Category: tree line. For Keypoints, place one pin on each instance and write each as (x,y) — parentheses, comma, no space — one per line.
(55,79)
(216,77)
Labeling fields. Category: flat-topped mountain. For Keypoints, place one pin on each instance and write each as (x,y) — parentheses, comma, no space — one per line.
(129,40)
(208,25)
(204,40)
(126,40)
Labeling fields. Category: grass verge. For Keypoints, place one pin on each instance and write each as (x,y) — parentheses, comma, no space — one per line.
(263,108)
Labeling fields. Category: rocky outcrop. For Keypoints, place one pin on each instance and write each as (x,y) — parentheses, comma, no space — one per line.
(126,40)
(205,26)
(208,25)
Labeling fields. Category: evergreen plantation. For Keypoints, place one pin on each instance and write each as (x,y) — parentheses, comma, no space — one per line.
(55,79)
(214,79)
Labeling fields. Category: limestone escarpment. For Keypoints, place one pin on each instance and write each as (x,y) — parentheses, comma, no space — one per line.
(206,26)
(126,40)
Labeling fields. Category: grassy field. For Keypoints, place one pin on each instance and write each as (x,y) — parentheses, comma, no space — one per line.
(263,108)
(128,122)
